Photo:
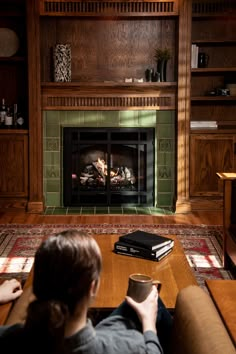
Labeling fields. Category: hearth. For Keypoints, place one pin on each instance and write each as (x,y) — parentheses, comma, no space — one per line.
(108,166)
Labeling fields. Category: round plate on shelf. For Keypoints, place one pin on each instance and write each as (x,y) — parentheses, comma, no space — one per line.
(9,42)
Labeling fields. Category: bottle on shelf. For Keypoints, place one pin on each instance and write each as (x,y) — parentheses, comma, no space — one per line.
(9,118)
(18,120)
(3,112)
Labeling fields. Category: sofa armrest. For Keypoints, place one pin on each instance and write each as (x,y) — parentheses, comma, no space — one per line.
(198,328)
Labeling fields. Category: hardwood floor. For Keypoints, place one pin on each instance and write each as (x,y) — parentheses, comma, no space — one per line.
(195,218)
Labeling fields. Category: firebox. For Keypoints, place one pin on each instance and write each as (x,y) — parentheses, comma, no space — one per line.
(110,166)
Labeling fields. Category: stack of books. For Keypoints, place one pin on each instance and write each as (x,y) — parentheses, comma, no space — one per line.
(143,244)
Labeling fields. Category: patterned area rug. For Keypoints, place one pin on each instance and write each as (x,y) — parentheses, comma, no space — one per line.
(201,244)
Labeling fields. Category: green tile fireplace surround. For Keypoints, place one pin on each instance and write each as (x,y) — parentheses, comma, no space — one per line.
(162,121)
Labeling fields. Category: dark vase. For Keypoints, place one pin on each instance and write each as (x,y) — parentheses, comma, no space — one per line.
(161,68)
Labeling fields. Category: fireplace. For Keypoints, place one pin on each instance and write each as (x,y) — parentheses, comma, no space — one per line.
(108,166)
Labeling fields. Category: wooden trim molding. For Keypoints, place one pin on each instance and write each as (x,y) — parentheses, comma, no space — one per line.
(108,8)
(182,200)
(35,203)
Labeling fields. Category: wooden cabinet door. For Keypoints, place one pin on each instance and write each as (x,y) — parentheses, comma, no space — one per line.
(209,154)
(13,165)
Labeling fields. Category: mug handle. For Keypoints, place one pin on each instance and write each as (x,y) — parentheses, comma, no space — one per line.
(158,284)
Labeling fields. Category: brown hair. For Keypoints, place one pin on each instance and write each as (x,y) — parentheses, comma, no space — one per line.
(65,265)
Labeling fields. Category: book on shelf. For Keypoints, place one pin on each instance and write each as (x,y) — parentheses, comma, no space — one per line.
(135,251)
(194,56)
(203,124)
(145,239)
(141,251)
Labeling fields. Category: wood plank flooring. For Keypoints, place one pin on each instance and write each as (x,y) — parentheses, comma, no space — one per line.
(194,218)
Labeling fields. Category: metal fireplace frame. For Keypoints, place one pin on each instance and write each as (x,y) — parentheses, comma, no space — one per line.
(146,136)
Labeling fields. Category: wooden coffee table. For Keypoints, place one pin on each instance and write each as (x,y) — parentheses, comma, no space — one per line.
(173,271)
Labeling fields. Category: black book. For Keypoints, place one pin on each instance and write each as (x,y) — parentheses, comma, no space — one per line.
(145,239)
(140,251)
(157,259)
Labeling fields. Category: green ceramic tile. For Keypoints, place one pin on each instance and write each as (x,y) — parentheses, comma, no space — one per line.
(128,118)
(115,210)
(63,117)
(165,186)
(166,145)
(143,210)
(53,185)
(52,199)
(73,211)
(157,211)
(52,117)
(52,172)
(163,172)
(166,131)
(129,210)
(165,117)
(101,210)
(164,199)
(165,158)
(49,211)
(108,118)
(52,131)
(60,211)
(75,119)
(52,158)
(52,144)
(91,118)
(87,210)
(147,118)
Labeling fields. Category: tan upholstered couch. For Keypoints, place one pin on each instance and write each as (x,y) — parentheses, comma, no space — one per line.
(198,328)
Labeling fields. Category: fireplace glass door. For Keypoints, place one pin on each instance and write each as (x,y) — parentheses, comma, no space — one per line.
(110,166)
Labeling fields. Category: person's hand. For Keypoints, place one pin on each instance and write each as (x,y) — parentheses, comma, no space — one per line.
(10,290)
(146,310)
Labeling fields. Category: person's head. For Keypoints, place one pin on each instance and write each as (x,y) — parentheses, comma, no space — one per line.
(65,266)
(66,273)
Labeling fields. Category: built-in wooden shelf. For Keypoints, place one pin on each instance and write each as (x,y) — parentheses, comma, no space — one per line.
(220,130)
(203,42)
(14,131)
(13,59)
(213,98)
(212,70)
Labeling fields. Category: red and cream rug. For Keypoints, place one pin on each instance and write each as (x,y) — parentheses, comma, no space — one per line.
(201,244)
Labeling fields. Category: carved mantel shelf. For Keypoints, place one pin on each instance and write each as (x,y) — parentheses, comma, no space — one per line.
(109,96)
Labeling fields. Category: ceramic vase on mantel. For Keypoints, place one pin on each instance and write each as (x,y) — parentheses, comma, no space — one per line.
(62,62)
(161,69)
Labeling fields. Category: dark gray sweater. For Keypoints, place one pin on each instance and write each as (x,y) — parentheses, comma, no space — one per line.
(113,335)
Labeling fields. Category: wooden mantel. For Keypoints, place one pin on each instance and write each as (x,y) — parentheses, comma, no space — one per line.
(108,96)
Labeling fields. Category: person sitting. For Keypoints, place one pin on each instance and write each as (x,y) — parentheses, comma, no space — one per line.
(65,282)
(10,290)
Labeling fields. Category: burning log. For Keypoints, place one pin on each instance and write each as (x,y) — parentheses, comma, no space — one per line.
(95,174)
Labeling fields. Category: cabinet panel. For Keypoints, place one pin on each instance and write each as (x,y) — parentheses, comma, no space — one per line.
(209,154)
(14,165)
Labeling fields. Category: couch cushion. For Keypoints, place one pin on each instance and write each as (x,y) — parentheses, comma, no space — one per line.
(198,328)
